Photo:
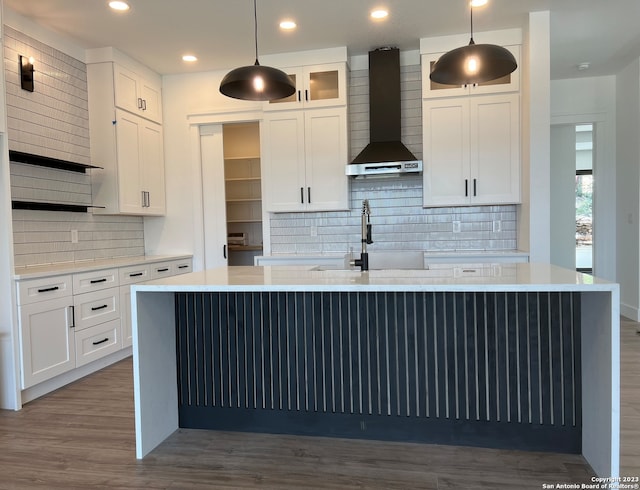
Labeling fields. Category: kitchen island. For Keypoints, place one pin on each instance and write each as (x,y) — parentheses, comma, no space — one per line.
(517,356)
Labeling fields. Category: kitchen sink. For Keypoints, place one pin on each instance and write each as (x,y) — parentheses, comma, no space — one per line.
(413,260)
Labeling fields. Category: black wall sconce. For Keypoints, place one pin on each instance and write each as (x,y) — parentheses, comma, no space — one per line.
(26,73)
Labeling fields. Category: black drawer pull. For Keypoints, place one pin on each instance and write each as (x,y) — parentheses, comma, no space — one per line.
(136,274)
(46,290)
(469,270)
(96,281)
(183,267)
(96,308)
(101,341)
(162,270)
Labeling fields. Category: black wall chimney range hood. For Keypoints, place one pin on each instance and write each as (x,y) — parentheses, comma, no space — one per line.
(385,154)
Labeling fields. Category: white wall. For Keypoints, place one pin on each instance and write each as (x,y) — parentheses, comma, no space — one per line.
(593,100)
(197,96)
(563,175)
(534,218)
(628,183)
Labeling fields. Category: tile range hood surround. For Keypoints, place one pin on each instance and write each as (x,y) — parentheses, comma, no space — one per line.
(385,154)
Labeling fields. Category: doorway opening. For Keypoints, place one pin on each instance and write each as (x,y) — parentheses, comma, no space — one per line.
(584,198)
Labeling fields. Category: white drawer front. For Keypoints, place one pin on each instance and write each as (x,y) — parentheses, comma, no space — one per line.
(161,269)
(134,274)
(95,280)
(182,266)
(34,290)
(96,307)
(96,342)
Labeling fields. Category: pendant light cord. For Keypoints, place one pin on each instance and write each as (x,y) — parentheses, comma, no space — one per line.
(255,28)
(471,41)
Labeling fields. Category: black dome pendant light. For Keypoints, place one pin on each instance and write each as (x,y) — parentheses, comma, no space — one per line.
(257,82)
(472,64)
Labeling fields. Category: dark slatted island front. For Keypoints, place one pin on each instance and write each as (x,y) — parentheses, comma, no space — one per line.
(525,356)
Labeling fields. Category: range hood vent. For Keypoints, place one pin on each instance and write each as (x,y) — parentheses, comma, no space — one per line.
(385,153)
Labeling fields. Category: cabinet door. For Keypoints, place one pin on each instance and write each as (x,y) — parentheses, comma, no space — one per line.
(326,154)
(430,89)
(130,197)
(126,89)
(47,340)
(152,168)
(446,152)
(316,86)
(151,97)
(283,158)
(495,144)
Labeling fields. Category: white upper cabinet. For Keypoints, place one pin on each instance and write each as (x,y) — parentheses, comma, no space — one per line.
(304,155)
(126,141)
(321,85)
(430,89)
(472,150)
(136,94)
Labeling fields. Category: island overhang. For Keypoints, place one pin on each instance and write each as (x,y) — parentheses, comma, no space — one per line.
(520,352)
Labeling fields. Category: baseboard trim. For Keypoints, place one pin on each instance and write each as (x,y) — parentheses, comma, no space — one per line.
(630,312)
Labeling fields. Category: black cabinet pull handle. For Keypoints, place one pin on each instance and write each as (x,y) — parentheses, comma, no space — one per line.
(224,251)
(101,341)
(73,317)
(299,96)
(183,267)
(466,187)
(474,187)
(46,290)
(306,95)
(162,270)
(136,274)
(96,308)
(301,195)
(144,105)
(309,195)
(96,281)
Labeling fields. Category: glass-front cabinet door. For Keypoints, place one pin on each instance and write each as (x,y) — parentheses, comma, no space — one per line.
(431,89)
(316,86)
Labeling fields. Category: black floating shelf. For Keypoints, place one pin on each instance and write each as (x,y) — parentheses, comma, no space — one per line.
(20,157)
(50,206)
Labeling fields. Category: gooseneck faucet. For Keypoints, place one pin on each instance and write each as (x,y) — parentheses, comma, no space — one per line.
(363,261)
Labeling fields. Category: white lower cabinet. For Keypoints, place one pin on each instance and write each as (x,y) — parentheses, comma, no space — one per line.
(68,321)
(47,340)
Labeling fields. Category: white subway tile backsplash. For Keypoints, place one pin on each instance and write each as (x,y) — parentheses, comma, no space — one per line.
(54,121)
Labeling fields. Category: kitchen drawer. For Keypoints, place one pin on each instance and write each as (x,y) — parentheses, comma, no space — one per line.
(97,307)
(95,280)
(34,290)
(134,274)
(98,341)
(182,266)
(162,269)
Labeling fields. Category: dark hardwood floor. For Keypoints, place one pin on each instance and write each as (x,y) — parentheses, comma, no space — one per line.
(82,436)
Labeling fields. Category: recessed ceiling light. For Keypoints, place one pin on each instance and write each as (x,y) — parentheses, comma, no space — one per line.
(378,14)
(288,25)
(585,65)
(478,3)
(189,58)
(118,5)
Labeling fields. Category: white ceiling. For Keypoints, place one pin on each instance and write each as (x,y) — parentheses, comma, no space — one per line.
(220,32)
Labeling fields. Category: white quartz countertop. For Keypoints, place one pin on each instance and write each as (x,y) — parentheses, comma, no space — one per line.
(36,271)
(507,277)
